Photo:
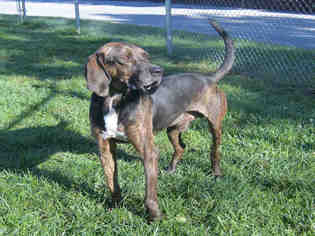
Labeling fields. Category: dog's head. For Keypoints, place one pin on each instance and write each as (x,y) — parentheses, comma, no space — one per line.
(117,66)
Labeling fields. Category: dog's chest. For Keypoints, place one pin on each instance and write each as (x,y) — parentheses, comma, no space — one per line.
(111,127)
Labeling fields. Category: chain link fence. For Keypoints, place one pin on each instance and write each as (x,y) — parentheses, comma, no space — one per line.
(275,39)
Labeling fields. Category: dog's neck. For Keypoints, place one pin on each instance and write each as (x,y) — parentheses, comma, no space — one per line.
(118,101)
(115,99)
(129,97)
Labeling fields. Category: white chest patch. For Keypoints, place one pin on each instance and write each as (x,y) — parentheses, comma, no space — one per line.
(111,126)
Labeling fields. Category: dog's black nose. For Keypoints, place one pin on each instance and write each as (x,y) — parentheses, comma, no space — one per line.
(156,70)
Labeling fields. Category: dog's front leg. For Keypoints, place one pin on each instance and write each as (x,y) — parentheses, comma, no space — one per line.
(141,136)
(107,149)
(150,162)
(144,144)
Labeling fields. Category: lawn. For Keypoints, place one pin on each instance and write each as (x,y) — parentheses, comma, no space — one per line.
(51,182)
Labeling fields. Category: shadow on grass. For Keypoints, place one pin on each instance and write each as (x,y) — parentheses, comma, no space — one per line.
(27,147)
(32,49)
(284,184)
(22,150)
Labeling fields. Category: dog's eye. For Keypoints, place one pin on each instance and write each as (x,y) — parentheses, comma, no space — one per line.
(123,59)
(110,62)
(145,56)
(120,63)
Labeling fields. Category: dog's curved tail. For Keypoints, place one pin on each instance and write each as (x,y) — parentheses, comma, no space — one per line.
(229,57)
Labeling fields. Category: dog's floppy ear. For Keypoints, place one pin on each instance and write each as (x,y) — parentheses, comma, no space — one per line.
(140,54)
(98,79)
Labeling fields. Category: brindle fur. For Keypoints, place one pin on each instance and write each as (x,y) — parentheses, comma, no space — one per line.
(176,102)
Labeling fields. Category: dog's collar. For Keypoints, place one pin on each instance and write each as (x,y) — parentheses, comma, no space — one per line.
(101,100)
(103,68)
(98,98)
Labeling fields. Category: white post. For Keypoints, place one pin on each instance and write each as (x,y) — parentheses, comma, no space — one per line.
(168,25)
(20,4)
(77,15)
(24,9)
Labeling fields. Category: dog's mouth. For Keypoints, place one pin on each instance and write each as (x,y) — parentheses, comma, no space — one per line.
(150,88)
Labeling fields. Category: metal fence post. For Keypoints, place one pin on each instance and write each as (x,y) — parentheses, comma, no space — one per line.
(23,8)
(243,4)
(20,4)
(168,25)
(77,15)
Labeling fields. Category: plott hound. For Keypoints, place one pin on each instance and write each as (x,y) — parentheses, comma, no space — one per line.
(172,105)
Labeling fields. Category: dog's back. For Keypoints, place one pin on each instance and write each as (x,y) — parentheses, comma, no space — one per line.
(174,96)
(182,93)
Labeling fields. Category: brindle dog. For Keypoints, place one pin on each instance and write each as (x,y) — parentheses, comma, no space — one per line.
(177,101)
(108,72)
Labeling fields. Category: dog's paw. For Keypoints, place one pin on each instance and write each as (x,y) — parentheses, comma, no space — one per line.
(218,179)
(106,135)
(157,218)
(170,170)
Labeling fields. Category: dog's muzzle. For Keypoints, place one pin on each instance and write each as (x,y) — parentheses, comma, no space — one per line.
(147,80)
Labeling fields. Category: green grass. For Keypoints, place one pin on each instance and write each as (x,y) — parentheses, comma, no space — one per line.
(51,182)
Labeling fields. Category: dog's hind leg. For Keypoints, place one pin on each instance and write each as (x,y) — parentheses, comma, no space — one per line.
(215,152)
(215,118)
(107,149)
(174,135)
